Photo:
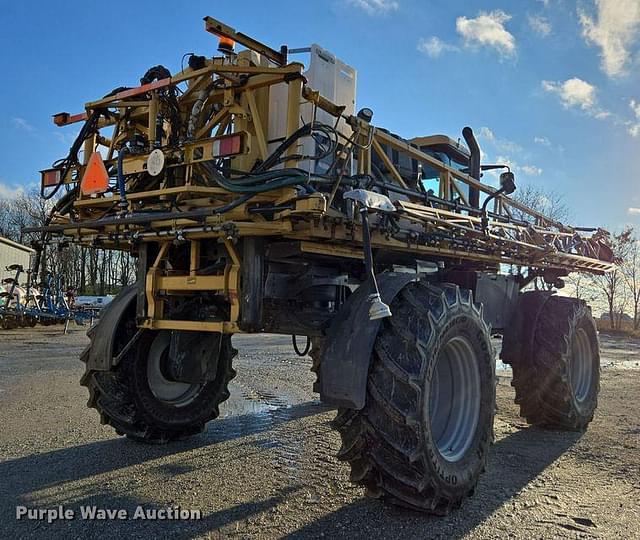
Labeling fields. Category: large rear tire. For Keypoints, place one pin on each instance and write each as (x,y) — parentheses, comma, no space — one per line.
(422,439)
(140,401)
(557,376)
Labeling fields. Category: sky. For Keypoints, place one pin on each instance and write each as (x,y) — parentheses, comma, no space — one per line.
(551,87)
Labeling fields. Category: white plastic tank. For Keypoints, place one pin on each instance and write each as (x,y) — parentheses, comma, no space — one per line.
(335,80)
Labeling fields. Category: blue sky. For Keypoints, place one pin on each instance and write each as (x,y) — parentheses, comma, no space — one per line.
(550,86)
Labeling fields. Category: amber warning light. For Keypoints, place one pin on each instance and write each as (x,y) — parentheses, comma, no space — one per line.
(226,45)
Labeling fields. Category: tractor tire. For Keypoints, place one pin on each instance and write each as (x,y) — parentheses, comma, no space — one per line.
(557,380)
(138,401)
(421,441)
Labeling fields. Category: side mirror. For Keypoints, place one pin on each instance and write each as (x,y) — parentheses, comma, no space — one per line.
(507,182)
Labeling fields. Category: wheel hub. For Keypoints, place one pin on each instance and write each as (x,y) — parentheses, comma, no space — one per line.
(581,365)
(162,387)
(454,398)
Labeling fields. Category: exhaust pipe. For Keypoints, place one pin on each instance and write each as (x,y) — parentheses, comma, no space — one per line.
(474,165)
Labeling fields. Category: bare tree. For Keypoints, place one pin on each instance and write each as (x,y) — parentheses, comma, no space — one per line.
(87,269)
(613,284)
(582,287)
(631,273)
(549,203)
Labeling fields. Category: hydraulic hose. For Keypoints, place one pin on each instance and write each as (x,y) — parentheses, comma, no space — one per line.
(150,216)
(122,189)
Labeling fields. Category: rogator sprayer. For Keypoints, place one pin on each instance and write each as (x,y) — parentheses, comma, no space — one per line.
(256,199)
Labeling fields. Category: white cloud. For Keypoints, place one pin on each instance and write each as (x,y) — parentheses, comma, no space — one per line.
(615,30)
(434,46)
(504,148)
(634,126)
(486,133)
(542,141)
(539,24)
(66,137)
(531,170)
(576,93)
(375,7)
(9,192)
(527,169)
(487,30)
(22,124)
(633,211)
(502,145)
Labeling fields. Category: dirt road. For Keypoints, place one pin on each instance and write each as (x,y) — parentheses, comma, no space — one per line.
(266,469)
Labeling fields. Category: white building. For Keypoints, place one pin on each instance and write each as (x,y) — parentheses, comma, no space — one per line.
(13,253)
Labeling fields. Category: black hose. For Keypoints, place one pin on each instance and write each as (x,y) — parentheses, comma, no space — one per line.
(122,189)
(147,217)
(294,341)
(258,182)
(276,157)
(64,165)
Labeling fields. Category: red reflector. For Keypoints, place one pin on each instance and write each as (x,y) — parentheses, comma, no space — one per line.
(50,177)
(227,146)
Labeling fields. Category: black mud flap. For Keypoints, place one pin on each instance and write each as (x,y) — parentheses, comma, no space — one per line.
(103,334)
(518,337)
(347,353)
(193,356)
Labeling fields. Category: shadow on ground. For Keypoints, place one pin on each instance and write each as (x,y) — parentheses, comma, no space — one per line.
(515,461)
(41,474)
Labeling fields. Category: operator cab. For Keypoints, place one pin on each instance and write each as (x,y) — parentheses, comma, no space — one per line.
(445,149)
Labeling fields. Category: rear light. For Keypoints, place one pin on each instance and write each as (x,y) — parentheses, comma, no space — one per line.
(50,177)
(227,146)
(60,119)
(64,118)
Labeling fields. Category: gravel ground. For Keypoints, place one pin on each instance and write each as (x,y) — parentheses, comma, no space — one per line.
(266,468)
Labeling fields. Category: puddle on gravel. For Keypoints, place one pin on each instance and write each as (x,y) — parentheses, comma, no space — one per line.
(252,402)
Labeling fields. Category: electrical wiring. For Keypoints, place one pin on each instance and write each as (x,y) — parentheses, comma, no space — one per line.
(306,130)
(66,164)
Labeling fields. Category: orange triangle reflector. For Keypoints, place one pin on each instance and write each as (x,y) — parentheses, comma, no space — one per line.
(96,178)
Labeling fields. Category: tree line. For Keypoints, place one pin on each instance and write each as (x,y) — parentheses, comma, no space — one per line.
(615,294)
(89,270)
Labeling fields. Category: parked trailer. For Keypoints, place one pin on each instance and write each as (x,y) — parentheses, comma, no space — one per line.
(28,306)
